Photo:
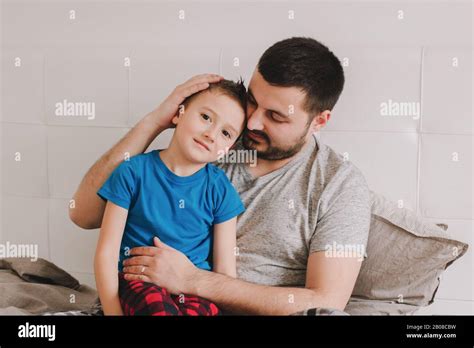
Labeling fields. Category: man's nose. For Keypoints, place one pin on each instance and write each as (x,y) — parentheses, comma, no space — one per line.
(255,119)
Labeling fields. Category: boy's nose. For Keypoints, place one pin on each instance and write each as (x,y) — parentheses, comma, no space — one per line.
(210,134)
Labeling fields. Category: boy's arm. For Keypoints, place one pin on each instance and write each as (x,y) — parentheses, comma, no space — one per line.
(224,248)
(88,209)
(107,257)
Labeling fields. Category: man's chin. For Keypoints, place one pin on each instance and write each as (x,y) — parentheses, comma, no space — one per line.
(261,149)
(250,144)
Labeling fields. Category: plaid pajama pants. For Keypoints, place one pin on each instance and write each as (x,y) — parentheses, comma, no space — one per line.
(141,298)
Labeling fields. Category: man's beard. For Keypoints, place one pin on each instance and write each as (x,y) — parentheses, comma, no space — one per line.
(273,153)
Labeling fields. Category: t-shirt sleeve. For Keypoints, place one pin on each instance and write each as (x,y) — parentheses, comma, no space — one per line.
(120,185)
(345,211)
(227,202)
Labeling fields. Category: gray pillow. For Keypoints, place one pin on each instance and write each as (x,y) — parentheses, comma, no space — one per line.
(405,258)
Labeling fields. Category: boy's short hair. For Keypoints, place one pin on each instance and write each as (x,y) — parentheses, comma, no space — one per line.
(232,89)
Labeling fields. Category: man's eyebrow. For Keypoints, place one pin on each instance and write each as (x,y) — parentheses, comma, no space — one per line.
(206,108)
(275,111)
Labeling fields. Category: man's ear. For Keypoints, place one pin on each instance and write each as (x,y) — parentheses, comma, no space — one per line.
(320,120)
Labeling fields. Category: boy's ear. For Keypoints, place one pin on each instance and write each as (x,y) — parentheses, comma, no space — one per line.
(174,120)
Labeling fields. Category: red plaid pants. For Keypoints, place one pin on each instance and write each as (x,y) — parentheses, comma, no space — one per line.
(141,298)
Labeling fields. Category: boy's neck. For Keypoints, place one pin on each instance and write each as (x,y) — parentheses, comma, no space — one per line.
(177,163)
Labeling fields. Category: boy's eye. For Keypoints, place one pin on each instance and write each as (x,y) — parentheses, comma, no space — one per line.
(204,116)
(226,134)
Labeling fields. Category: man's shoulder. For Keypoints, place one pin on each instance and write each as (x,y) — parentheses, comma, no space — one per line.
(335,169)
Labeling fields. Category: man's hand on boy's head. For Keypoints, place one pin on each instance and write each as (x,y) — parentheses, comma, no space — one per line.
(161,265)
(170,106)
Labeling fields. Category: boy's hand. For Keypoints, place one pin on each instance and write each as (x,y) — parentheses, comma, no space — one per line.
(169,107)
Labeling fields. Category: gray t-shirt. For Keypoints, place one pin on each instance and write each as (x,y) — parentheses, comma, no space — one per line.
(317,199)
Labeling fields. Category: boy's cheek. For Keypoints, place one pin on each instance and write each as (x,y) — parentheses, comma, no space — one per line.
(227,147)
(219,153)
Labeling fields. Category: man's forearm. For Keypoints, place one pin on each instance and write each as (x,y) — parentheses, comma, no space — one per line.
(240,297)
(88,209)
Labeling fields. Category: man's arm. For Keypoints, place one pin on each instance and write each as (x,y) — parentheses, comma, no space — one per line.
(329,282)
(88,209)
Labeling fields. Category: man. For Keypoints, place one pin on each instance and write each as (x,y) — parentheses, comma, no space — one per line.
(302,199)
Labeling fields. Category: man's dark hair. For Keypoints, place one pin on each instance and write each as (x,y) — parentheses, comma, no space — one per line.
(305,63)
(232,89)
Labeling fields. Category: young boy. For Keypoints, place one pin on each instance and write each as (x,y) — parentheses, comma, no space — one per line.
(178,196)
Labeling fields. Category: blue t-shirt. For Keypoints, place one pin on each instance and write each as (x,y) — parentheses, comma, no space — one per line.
(180,211)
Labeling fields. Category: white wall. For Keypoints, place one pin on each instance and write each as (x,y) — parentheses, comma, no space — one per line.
(403,56)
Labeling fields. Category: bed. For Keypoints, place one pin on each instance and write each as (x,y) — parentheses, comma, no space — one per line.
(405,257)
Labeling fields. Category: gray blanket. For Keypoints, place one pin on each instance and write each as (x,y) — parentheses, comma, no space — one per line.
(39,287)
